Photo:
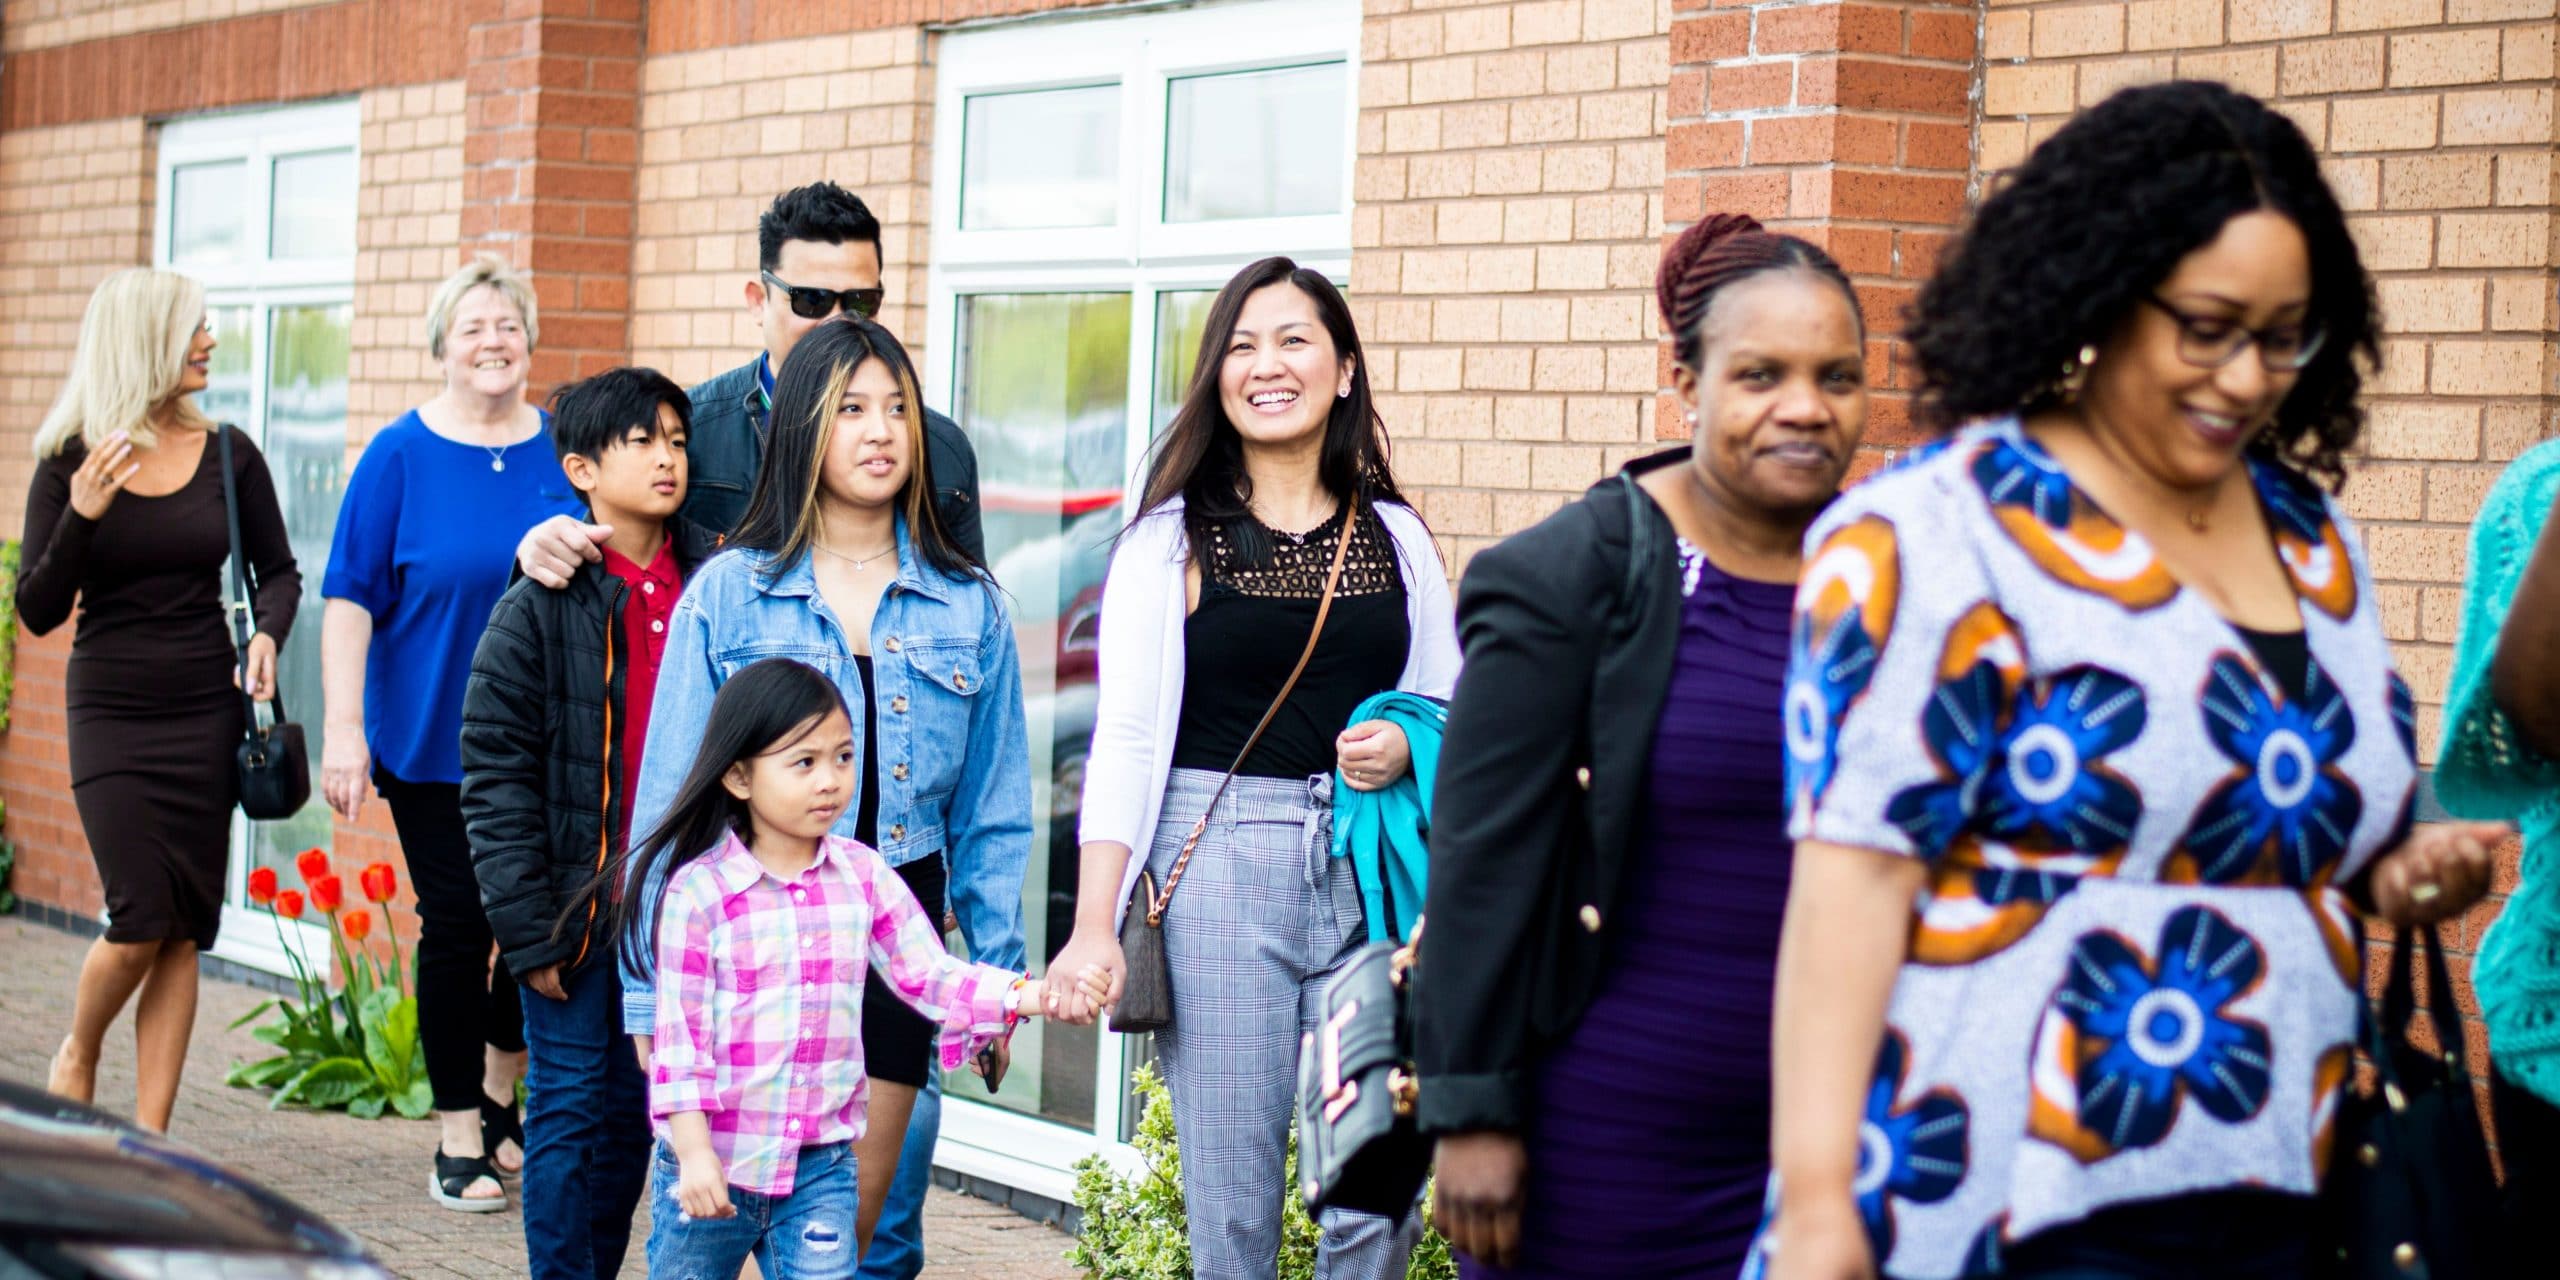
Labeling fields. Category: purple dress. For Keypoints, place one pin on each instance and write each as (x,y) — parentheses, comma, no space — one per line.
(1649,1141)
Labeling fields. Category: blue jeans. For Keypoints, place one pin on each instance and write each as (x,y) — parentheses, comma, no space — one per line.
(897,1243)
(586,1129)
(806,1235)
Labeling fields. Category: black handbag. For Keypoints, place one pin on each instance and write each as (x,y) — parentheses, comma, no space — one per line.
(1146,986)
(1359,1147)
(2409,1191)
(273,767)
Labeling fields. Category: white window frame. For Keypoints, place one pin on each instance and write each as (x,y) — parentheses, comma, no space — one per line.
(265,285)
(1140,255)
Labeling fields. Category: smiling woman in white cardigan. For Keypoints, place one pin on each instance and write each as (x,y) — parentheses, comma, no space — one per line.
(1273,473)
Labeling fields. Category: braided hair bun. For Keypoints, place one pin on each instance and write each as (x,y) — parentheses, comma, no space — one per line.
(1721,249)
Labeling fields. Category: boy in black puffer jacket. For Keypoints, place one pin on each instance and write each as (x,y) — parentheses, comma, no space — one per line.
(552,727)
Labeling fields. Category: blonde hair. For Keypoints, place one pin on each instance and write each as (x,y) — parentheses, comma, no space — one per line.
(485,269)
(130,360)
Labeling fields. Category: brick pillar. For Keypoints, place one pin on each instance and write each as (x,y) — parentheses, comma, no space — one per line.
(1847,124)
(551,156)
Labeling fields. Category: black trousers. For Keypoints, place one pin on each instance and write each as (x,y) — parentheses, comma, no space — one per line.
(466,997)
(2207,1235)
(2529,1147)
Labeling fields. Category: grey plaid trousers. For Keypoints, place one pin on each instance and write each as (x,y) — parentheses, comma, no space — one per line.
(1263,914)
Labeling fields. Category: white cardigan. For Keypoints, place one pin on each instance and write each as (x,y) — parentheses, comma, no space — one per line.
(1141,664)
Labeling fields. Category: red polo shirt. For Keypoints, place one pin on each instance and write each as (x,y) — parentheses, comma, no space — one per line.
(648,601)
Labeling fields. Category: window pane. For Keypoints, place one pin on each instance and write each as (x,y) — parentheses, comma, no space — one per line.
(1049,158)
(1255,144)
(227,396)
(206,209)
(315,206)
(305,443)
(1044,395)
(1179,319)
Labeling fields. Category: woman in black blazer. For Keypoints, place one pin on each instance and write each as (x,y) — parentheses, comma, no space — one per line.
(1609,856)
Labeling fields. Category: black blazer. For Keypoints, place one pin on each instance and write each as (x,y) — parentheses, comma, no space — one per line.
(1570,629)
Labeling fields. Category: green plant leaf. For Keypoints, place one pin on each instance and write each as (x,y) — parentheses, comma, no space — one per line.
(391,1038)
(330,1082)
(418,1101)
(264,1073)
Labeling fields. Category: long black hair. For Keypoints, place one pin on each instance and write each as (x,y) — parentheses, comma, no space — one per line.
(2097,217)
(1200,457)
(760,709)
(782,512)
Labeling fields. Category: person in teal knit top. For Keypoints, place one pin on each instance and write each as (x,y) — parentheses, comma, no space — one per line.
(2501,759)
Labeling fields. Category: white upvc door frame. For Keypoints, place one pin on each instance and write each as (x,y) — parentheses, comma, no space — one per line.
(1143,257)
(258,138)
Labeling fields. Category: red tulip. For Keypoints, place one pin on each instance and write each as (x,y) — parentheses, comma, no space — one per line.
(357,924)
(312,863)
(262,885)
(378,882)
(328,892)
(289,905)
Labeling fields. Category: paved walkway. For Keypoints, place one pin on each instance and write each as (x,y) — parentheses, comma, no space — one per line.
(369,1177)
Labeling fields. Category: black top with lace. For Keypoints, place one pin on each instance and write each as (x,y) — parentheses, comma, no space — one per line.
(1250,626)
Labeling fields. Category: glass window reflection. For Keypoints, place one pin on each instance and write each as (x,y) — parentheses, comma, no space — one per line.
(1044,395)
(1046,158)
(1179,319)
(313,214)
(206,203)
(1255,144)
(306,451)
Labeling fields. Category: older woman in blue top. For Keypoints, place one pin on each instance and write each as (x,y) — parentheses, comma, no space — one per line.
(842,562)
(425,539)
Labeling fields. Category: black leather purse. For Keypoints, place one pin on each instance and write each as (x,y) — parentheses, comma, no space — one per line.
(2409,1191)
(273,767)
(1358,1145)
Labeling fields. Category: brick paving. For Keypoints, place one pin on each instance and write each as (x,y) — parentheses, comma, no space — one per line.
(369,1176)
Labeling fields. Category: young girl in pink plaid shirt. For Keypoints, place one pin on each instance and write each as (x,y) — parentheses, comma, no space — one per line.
(762,936)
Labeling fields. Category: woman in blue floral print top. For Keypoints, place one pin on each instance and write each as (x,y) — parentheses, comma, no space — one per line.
(2096,751)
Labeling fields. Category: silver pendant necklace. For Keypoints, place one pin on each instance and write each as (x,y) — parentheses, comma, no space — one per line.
(856,561)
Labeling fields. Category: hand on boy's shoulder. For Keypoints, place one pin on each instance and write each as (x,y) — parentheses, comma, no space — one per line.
(551,551)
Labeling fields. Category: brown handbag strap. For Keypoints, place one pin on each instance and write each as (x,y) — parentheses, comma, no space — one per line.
(1332,578)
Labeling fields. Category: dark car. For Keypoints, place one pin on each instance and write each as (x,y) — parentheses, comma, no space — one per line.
(86,1196)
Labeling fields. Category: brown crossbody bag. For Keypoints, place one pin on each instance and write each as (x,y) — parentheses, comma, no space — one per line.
(1146,994)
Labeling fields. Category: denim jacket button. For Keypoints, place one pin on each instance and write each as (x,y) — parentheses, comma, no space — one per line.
(891,644)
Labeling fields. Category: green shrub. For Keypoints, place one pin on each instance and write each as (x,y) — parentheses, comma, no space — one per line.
(1135,1228)
(8,627)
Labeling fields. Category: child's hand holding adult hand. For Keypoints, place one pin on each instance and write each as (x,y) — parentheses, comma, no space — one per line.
(702,1187)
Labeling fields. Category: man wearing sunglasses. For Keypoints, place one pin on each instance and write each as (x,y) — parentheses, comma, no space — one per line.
(819,254)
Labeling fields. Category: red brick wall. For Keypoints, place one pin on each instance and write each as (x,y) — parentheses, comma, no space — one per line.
(1848,124)
(75,204)
(550,158)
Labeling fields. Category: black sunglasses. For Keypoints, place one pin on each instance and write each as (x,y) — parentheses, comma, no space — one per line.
(811,303)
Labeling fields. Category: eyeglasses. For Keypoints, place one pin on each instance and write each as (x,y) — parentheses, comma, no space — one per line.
(2210,342)
(812,303)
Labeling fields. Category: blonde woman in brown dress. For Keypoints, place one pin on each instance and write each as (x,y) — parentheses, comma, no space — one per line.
(125,519)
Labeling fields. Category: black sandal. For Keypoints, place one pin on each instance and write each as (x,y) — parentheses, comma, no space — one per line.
(501,1122)
(454,1176)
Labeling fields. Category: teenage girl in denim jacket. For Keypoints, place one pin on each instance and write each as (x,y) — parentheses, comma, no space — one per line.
(841,563)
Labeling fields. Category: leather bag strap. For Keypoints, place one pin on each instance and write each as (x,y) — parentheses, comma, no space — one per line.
(1190,843)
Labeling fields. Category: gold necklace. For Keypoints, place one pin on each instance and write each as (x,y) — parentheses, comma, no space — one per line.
(856,561)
